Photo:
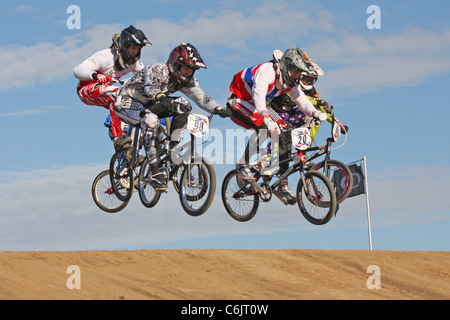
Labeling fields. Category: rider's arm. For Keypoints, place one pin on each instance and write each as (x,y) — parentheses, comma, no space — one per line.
(321,105)
(84,70)
(196,94)
(155,78)
(326,108)
(100,62)
(138,66)
(264,77)
(303,103)
(103,62)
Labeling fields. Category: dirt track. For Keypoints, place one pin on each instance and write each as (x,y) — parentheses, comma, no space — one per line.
(225,274)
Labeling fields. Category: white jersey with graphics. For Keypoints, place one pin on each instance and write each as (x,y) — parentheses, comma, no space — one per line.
(155,79)
(103,62)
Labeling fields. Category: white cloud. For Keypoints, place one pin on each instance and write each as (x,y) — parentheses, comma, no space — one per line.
(230,38)
(47,62)
(362,64)
(26,8)
(243,32)
(46,109)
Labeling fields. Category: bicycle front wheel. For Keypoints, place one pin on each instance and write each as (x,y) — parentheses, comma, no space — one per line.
(316,197)
(121,176)
(103,194)
(197,186)
(340,176)
(238,197)
(148,195)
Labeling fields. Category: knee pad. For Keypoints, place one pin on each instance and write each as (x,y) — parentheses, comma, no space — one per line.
(150,120)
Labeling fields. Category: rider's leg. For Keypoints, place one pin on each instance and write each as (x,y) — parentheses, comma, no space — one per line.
(130,111)
(252,147)
(178,122)
(93,93)
(158,179)
(244,115)
(285,143)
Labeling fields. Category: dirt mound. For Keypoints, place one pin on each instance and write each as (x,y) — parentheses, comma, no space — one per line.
(225,274)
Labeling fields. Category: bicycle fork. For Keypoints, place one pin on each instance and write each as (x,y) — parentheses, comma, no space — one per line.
(192,161)
(312,192)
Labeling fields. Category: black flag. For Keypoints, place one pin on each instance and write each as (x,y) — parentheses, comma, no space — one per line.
(339,181)
(358,180)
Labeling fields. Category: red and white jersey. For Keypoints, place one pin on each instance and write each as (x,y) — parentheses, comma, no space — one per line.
(103,62)
(262,83)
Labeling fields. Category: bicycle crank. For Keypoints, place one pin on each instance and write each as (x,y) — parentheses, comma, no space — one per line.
(266,192)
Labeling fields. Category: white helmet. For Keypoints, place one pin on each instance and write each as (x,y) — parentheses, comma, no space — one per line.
(309,78)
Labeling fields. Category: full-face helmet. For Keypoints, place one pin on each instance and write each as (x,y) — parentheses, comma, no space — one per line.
(184,55)
(130,37)
(294,59)
(309,79)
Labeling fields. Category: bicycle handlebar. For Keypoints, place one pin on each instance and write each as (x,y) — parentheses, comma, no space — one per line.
(118,81)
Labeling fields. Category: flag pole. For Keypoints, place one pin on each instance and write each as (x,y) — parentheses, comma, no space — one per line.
(367,202)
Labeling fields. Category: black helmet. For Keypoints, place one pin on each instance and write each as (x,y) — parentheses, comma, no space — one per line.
(129,37)
(184,55)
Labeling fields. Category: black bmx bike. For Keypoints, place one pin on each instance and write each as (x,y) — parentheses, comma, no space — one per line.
(193,176)
(315,194)
(333,168)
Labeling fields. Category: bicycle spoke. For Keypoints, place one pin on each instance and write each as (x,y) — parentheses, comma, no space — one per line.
(316,197)
(239,203)
(103,194)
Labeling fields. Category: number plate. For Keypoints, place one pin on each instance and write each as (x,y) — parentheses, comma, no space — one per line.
(336,131)
(198,124)
(301,138)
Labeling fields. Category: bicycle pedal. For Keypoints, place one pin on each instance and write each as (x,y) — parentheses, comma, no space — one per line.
(292,202)
(280,196)
(161,189)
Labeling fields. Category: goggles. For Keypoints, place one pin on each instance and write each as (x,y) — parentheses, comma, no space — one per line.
(309,80)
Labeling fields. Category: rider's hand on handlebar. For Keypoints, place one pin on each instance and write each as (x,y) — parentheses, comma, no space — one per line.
(271,125)
(165,101)
(344,129)
(321,116)
(183,108)
(173,106)
(180,108)
(102,78)
(223,112)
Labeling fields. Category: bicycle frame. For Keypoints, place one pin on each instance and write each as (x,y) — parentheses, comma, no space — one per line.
(326,149)
(298,160)
(132,154)
(191,150)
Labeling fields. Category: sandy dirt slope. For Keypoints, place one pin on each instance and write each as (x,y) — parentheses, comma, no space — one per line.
(225,274)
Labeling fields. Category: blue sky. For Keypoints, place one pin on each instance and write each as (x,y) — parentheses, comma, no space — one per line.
(389,85)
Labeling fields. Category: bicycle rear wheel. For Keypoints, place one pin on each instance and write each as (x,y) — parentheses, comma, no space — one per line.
(148,195)
(197,187)
(238,197)
(121,176)
(316,198)
(333,170)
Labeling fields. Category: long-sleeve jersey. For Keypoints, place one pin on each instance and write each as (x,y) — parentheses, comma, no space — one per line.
(261,83)
(103,62)
(155,79)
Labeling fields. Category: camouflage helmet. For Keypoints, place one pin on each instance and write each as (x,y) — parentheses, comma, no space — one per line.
(294,58)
